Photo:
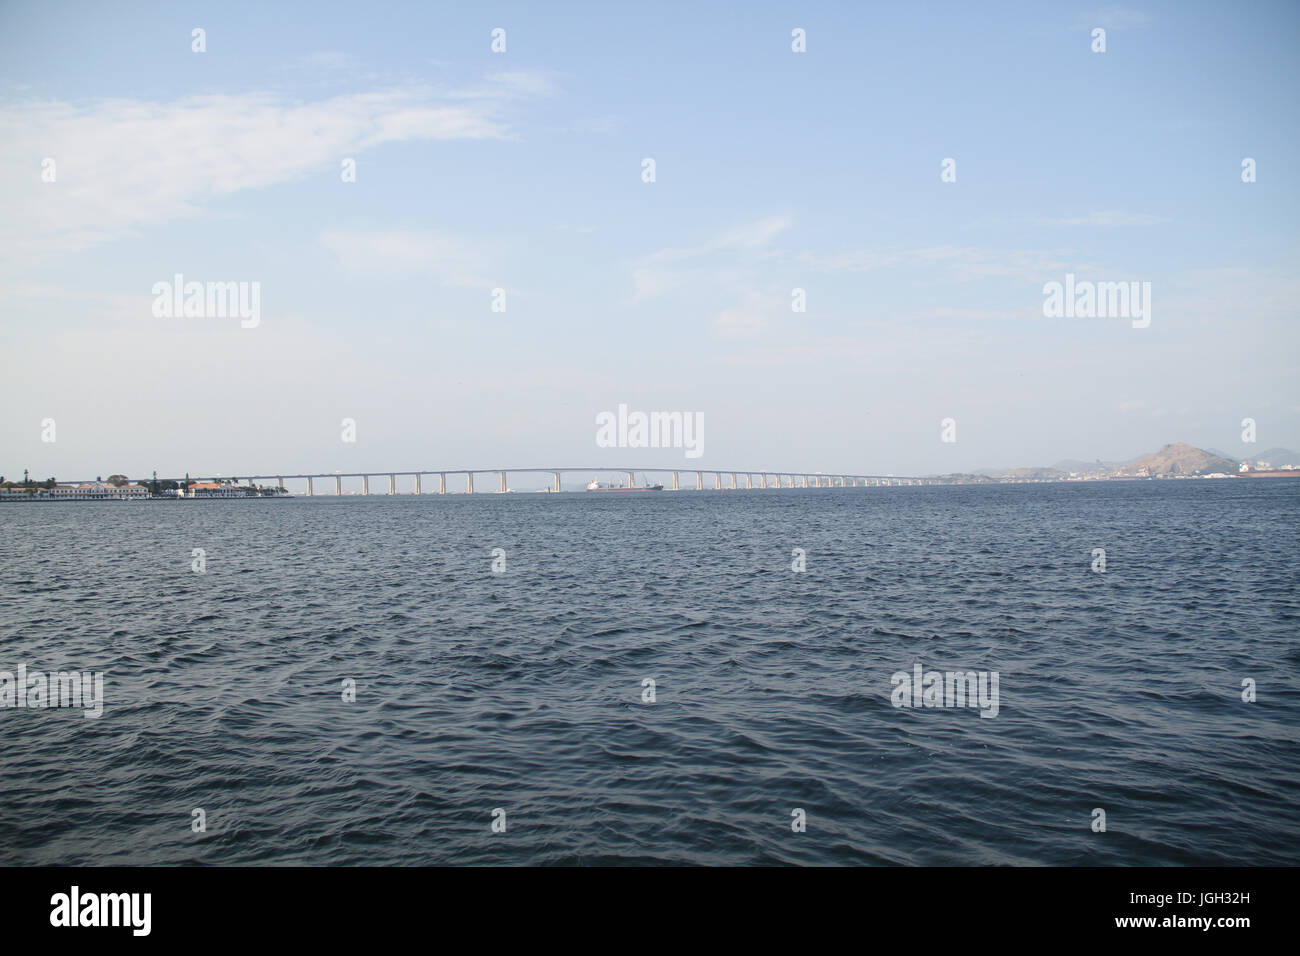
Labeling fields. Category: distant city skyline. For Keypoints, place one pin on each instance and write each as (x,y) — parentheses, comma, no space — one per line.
(500,274)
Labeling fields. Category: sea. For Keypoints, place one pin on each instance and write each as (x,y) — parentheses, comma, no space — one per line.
(691,678)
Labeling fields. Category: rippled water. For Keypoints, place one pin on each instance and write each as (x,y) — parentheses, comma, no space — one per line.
(523,690)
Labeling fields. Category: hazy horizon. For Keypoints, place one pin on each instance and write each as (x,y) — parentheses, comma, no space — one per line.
(522,171)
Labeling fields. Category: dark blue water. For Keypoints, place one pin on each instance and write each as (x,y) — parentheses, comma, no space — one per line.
(523,690)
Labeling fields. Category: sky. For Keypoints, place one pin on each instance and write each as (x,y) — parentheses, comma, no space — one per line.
(127,158)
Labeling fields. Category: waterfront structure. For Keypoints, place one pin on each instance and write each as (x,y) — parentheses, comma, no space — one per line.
(95,491)
(713,479)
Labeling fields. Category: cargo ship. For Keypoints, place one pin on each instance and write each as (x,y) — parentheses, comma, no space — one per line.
(595,485)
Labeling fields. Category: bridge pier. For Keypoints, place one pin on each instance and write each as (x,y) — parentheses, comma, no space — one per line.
(733,481)
(442,482)
(392,484)
(699,481)
(469,482)
(556,486)
(338,486)
(717,481)
(763,480)
(502,488)
(280,483)
(630,481)
(365,484)
(309,491)
(676,487)
(417,482)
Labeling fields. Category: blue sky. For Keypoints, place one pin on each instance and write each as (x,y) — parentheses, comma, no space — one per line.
(522,170)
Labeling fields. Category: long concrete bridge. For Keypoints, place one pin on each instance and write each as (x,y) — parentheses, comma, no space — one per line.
(695,479)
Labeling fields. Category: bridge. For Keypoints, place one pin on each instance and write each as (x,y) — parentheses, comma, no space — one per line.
(721,479)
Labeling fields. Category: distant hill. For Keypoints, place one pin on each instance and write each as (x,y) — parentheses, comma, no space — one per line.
(1179,458)
(1222,454)
(1080,467)
(1044,474)
(1276,457)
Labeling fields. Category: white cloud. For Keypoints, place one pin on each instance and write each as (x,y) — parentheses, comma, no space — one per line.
(668,268)
(1108,218)
(960,263)
(125,164)
(748,320)
(397,254)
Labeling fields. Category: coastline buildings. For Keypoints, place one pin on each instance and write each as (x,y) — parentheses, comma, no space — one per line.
(105,491)
(86,491)
(215,489)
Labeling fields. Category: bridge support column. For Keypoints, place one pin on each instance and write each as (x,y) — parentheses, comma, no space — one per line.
(749,481)
(442,482)
(502,488)
(309,491)
(365,484)
(763,480)
(733,481)
(392,484)
(469,482)
(280,483)
(676,486)
(417,482)
(556,487)
(630,481)
(699,481)
(338,486)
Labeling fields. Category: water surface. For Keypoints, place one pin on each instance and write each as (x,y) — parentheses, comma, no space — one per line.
(523,690)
